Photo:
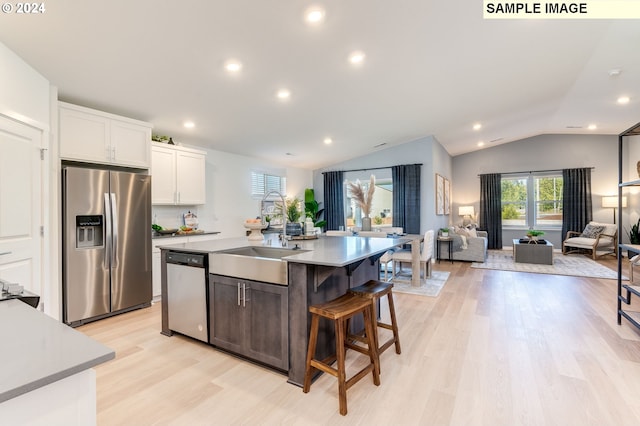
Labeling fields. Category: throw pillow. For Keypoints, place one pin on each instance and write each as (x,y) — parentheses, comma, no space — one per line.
(592,231)
(461,231)
(472,233)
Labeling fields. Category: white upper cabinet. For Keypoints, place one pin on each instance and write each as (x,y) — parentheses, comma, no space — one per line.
(177,175)
(99,137)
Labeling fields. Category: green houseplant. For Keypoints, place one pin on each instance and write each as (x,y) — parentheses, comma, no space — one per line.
(293,216)
(312,208)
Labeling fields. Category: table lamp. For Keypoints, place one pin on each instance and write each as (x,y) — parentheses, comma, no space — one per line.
(611,202)
(467,212)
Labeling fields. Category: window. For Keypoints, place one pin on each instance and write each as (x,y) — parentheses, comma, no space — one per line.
(262,183)
(382,204)
(532,201)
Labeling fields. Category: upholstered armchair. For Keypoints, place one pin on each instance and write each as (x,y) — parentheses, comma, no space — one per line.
(598,238)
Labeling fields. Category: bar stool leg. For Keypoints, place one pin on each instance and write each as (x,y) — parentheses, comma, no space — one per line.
(371,342)
(394,323)
(340,354)
(311,351)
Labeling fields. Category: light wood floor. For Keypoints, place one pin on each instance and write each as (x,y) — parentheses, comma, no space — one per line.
(495,348)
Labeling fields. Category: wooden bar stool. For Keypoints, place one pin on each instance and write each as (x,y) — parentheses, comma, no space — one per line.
(339,311)
(373,290)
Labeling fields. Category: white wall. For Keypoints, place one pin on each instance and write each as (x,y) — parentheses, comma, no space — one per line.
(24,93)
(427,151)
(229,201)
(544,152)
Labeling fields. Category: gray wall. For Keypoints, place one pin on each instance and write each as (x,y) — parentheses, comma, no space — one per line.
(544,152)
(427,151)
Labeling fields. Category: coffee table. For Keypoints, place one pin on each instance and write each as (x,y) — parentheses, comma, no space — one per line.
(533,253)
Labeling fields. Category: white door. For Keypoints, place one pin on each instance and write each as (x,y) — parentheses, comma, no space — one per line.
(20,205)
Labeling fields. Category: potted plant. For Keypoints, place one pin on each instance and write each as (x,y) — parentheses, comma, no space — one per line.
(312,208)
(293,217)
(363,199)
(534,234)
(444,232)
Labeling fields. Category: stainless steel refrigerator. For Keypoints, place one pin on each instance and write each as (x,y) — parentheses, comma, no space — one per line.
(106,265)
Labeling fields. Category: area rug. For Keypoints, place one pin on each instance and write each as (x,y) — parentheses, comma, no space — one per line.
(575,265)
(431,287)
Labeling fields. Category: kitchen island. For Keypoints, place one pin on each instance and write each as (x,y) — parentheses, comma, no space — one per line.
(46,375)
(271,325)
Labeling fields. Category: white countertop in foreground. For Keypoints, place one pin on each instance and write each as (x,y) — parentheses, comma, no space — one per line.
(36,350)
(328,251)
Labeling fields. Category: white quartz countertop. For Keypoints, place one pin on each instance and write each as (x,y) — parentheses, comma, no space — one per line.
(37,350)
(328,251)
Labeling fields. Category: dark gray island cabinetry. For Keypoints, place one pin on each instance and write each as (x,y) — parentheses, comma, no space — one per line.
(258,313)
(250,318)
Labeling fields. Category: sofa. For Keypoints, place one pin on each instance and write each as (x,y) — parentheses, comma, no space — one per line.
(470,246)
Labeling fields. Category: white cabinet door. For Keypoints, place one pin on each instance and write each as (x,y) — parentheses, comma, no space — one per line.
(163,175)
(84,136)
(177,175)
(130,144)
(20,205)
(100,137)
(190,178)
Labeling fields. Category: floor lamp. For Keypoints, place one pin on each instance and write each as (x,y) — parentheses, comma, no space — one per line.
(612,203)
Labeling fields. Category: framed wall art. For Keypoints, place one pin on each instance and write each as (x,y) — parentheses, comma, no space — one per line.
(447,196)
(439,194)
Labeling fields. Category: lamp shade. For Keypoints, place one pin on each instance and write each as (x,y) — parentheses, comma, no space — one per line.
(466,211)
(612,202)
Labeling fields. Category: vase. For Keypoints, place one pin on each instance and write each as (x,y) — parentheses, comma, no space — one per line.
(366,224)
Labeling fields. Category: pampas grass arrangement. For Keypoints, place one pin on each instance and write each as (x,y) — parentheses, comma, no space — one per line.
(362,198)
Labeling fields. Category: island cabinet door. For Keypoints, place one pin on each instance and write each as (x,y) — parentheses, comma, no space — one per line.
(226,316)
(267,324)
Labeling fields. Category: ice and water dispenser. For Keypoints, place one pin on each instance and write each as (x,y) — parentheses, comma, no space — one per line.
(89,231)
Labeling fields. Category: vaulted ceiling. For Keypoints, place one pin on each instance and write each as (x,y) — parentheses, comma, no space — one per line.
(430,68)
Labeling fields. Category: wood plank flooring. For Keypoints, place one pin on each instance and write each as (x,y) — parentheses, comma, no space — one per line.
(495,348)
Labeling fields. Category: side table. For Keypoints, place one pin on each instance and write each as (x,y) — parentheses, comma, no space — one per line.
(441,240)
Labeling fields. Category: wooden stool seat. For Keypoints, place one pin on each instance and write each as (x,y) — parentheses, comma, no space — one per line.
(374,290)
(339,310)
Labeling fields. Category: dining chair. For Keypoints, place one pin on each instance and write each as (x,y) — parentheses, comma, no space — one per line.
(426,254)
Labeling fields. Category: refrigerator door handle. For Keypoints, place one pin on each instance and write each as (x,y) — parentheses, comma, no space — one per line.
(114,245)
(107,220)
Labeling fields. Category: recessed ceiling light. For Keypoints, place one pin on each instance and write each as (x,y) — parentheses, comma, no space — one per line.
(314,15)
(233,66)
(614,72)
(622,100)
(328,141)
(592,127)
(283,94)
(480,143)
(356,58)
(477,126)
(189,124)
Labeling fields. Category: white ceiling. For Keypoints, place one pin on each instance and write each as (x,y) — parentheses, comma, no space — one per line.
(431,68)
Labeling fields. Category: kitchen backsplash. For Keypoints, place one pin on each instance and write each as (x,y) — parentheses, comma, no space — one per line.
(173,217)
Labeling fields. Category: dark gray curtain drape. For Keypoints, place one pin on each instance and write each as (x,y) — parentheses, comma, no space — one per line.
(491,209)
(406,197)
(334,200)
(576,200)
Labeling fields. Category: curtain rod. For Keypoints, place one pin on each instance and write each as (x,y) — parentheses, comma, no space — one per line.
(536,171)
(371,168)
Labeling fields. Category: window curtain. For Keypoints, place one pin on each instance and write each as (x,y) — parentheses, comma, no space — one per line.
(334,199)
(406,197)
(491,209)
(576,200)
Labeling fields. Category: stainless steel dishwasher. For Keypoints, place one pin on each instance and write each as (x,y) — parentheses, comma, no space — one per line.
(187,288)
